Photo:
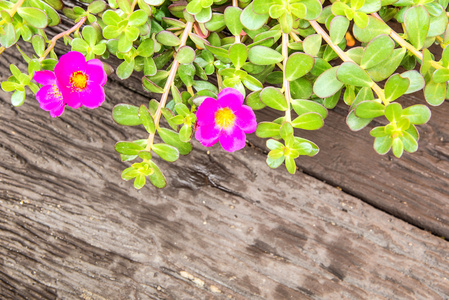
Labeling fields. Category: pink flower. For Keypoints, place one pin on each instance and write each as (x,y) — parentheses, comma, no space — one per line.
(75,82)
(225,120)
(81,82)
(49,96)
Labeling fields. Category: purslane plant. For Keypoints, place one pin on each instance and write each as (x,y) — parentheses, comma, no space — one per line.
(206,58)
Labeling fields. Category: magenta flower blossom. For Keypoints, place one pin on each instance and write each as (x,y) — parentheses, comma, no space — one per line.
(49,96)
(226,120)
(81,82)
(75,82)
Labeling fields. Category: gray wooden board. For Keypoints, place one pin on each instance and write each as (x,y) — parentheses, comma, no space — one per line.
(225,227)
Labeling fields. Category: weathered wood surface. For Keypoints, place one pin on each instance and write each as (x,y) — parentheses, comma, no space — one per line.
(226,227)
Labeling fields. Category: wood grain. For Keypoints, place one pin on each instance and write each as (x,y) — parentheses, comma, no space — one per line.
(227,227)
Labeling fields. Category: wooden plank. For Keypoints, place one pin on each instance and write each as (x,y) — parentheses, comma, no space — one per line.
(225,228)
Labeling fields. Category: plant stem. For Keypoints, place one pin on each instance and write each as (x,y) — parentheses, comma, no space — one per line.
(235,3)
(60,35)
(406,45)
(13,10)
(168,84)
(286,83)
(294,36)
(344,57)
(2,49)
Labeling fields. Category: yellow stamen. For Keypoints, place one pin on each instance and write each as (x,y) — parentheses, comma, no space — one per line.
(55,92)
(78,80)
(225,118)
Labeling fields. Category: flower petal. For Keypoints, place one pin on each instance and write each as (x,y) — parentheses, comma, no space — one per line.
(44,77)
(48,98)
(96,72)
(92,96)
(231,98)
(207,135)
(206,112)
(246,119)
(233,139)
(68,64)
(56,112)
(72,98)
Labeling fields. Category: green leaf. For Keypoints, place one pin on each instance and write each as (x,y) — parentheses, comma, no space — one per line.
(129,173)
(387,67)
(338,28)
(275,163)
(312,44)
(298,65)
(308,121)
(151,86)
(124,5)
(267,129)
(137,18)
(395,87)
(369,109)
(253,101)
(416,81)
(351,74)
(110,17)
(8,38)
(355,123)
(409,142)
(332,101)
(327,83)
(273,98)
(146,119)
(216,23)
(435,93)
(290,164)
(157,178)
(238,53)
(274,145)
(286,131)
(314,9)
(416,22)
(383,144)
(139,181)
(167,38)
(374,28)
(301,88)
(306,106)
(125,114)
(185,134)
(33,16)
(361,19)
(185,55)
(417,114)
(18,98)
(96,7)
(172,138)
(261,55)
(252,20)
(128,148)
(440,75)
(166,152)
(38,43)
(232,20)
(393,112)
(125,69)
(205,15)
(377,51)
(397,147)
(252,83)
